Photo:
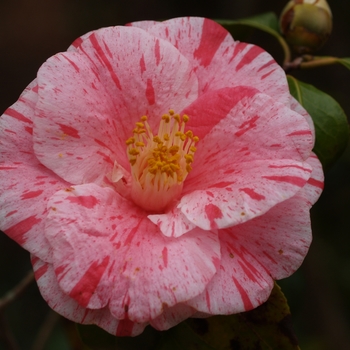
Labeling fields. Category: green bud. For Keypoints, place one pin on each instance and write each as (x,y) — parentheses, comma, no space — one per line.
(306,24)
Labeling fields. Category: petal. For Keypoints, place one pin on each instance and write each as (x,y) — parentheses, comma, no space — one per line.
(26,184)
(268,247)
(219,61)
(106,252)
(143,24)
(172,316)
(254,188)
(173,223)
(86,113)
(69,308)
(242,124)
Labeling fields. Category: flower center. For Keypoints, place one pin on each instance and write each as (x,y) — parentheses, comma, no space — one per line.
(160,163)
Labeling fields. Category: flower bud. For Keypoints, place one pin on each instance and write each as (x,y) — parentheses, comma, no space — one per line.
(306,24)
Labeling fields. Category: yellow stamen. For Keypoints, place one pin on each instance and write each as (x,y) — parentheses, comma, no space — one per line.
(161,162)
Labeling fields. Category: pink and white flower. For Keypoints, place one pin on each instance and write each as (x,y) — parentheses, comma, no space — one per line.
(194,211)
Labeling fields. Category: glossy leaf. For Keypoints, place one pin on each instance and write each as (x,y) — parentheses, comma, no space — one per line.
(332,130)
(345,62)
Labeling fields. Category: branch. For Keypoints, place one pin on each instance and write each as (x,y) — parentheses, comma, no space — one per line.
(12,294)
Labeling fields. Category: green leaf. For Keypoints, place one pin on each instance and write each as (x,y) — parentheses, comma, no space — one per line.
(331,126)
(345,62)
(264,328)
(266,21)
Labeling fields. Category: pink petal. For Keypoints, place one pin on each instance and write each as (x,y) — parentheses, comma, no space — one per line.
(173,223)
(172,316)
(143,24)
(106,252)
(268,247)
(219,61)
(112,78)
(69,308)
(251,190)
(26,184)
(243,125)
(297,107)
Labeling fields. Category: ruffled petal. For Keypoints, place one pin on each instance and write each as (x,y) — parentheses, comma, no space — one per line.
(173,223)
(85,114)
(106,252)
(261,250)
(172,316)
(242,125)
(253,189)
(69,308)
(26,184)
(220,61)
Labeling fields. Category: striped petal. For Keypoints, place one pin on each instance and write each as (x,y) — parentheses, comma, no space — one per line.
(106,252)
(85,114)
(261,250)
(219,61)
(26,185)
(69,308)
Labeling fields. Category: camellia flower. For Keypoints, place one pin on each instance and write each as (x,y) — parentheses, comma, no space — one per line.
(156,172)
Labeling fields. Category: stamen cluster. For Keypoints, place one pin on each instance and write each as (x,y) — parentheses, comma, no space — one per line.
(161,161)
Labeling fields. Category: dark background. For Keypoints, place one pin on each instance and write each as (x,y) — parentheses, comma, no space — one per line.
(319,293)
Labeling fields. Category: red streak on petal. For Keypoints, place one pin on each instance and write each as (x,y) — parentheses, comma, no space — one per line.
(157,52)
(29,130)
(246,126)
(85,288)
(142,64)
(252,194)
(266,65)
(105,60)
(267,74)
(294,180)
(165,256)
(244,295)
(124,328)
(212,37)
(248,272)
(239,47)
(17,232)
(289,166)
(11,213)
(131,235)
(101,143)
(14,114)
(77,42)
(213,212)
(72,63)
(300,132)
(150,92)
(40,271)
(85,201)
(316,183)
(223,184)
(249,57)
(31,194)
(270,257)
(70,131)
(7,167)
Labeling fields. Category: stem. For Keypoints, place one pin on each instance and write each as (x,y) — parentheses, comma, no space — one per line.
(318,62)
(17,290)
